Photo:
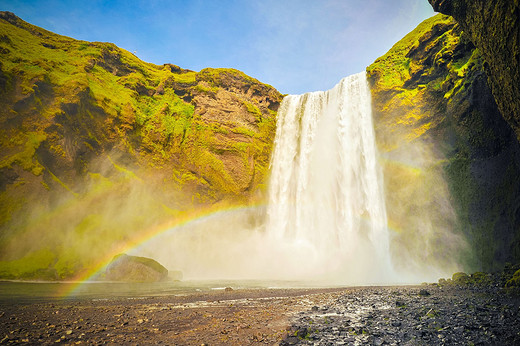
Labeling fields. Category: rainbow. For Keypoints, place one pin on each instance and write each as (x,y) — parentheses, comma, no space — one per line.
(94,271)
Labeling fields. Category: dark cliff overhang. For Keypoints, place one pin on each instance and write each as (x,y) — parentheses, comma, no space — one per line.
(442,6)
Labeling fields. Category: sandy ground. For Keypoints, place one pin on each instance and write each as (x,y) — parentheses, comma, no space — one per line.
(238,317)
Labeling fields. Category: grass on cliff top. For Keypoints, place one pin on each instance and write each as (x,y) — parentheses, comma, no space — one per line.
(394,66)
(218,75)
(115,80)
(35,55)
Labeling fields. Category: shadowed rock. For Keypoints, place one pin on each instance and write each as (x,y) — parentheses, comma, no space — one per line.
(494,28)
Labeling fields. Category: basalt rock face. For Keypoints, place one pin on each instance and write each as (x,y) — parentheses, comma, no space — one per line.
(494,28)
(437,120)
(97,146)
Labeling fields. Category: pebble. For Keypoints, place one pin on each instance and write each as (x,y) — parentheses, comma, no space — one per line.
(424,293)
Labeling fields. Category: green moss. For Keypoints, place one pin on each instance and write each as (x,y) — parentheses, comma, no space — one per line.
(88,224)
(169,104)
(223,76)
(394,67)
(10,205)
(460,278)
(241,146)
(25,158)
(127,174)
(33,265)
(62,184)
(186,78)
(205,88)
(150,263)
(514,281)
(481,279)
(244,131)
(68,264)
(251,108)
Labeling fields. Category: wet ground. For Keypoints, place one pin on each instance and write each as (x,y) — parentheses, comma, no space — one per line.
(408,315)
(425,315)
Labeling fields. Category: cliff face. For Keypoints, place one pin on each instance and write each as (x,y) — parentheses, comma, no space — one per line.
(97,146)
(494,28)
(436,118)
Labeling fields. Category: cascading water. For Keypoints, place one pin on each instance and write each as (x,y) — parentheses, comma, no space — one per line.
(326,199)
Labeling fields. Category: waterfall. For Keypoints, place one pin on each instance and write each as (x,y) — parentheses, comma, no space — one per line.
(326,196)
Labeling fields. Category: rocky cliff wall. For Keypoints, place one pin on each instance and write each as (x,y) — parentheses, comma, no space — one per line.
(494,28)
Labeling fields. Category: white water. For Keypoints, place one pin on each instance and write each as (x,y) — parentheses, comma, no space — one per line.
(326,200)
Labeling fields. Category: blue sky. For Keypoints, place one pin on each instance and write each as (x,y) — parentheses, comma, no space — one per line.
(296,46)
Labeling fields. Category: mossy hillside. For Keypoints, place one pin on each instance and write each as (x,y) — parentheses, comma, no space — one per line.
(514,282)
(396,79)
(98,146)
(395,67)
(35,264)
(436,99)
(51,75)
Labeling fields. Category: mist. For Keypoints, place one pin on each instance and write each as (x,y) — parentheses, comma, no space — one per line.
(71,231)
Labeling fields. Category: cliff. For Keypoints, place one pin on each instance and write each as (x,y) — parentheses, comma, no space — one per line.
(494,28)
(97,146)
(436,121)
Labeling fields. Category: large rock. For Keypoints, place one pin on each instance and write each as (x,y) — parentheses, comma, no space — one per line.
(135,269)
(494,28)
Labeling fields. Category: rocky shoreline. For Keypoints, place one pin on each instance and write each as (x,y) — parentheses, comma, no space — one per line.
(477,309)
(425,315)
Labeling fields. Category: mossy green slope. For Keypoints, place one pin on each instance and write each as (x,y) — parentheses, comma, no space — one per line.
(97,146)
(430,92)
